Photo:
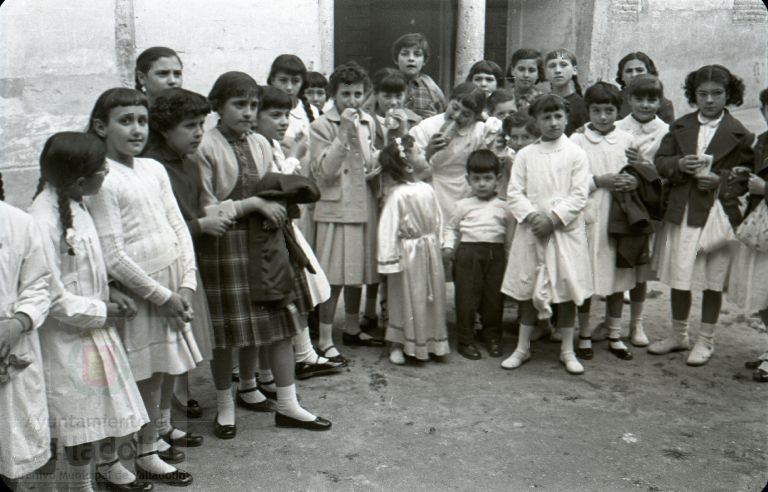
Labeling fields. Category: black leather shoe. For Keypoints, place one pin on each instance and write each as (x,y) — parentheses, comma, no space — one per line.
(172,456)
(494,348)
(272,395)
(753,364)
(177,478)
(135,486)
(339,359)
(191,409)
(223,431)
(358,341)
(305,370)
(760,376)
(584,353)
(621,353)
(319,424)
(369,324)
(262,406)
(470,351)
(189,440)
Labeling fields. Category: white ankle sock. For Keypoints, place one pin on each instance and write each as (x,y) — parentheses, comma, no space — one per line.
(679,328)
(287,404)
(566,345)
(302,347)
(524,338)
(352,323)
(79,478)
(162,445)
(707,330)
(325,338)
(614,333)
(116,472)
(255,396)
(225,405)
(152,463)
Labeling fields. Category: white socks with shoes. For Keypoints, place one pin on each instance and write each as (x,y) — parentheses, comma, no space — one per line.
(288,405)
(677,341)
(152,462)
(567,355)
(305,352)
(614,333)
(704,347)
(522,352)
(637,336)
(225,405)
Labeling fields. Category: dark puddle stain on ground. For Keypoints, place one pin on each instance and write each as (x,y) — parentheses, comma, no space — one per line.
(378,381)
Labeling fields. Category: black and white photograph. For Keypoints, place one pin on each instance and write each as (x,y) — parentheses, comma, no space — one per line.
(384,245)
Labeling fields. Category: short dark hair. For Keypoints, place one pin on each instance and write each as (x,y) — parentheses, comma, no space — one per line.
(646,85)
(526,54)
(114,98)
(288,64)
(519,119)
(650,67)
(548,103)
(232,84)
(764,97)
(172,106)
(603,93)
(389,80)
(499,96)
(483,161)
(348,73)
(272,97)
(411,40)
(734,86)
(470,96)
(315,79)
(489,67)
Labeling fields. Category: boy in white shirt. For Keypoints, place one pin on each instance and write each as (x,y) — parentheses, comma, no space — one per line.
(481,225)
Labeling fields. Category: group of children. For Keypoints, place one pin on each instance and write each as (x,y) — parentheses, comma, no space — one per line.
(159,238)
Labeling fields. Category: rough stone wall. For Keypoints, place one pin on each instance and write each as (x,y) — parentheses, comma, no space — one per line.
(57,57)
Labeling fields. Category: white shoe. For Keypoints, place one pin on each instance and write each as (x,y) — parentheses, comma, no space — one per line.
(571,363)
(517,359)
(397,357)
(674,343)
(702,351)
(637,336)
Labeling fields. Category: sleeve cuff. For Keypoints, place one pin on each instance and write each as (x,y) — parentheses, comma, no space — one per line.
(160,295)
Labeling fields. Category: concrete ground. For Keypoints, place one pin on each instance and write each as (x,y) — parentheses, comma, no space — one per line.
(650,424)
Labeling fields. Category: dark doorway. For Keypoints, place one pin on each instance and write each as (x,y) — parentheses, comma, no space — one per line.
(365,30)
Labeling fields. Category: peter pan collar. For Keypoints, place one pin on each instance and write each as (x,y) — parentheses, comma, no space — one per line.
(596,137)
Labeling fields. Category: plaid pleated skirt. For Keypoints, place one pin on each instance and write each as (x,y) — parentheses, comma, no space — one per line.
(237,321)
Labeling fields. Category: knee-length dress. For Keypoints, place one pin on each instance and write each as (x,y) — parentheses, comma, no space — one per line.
(148,250)
(605,154)
(550,177)
(90,388)
(237,320)
(409,254)
(24,278)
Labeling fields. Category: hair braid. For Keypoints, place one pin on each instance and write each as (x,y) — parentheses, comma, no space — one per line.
(65,215)
(576,85)
(2,191)
(307,108)
(40,186)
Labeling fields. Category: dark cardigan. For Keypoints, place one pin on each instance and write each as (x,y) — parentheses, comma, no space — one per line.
(730,147)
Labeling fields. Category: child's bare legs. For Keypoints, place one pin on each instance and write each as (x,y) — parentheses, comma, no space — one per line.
(170,434)
(79,469)
(566,319)
(527,315)
(680,301)
(146,448)
(327,312)
(369,311)
(705,343)
(637,335)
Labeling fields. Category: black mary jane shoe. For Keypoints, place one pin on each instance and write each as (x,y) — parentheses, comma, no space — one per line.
(585,353)
(192,409)
(469,351)
(223,431)
(177,478)
(621,353)
(358,341)
(494,348)
(753,364)
(189,440)
(172,455)
(319,424)
(135,486)
(306,370)
(272,395)
(337,359)
(262,406)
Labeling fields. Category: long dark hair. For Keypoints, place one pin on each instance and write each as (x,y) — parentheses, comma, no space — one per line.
(67,157)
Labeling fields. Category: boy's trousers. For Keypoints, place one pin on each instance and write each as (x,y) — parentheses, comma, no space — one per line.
(478,271)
